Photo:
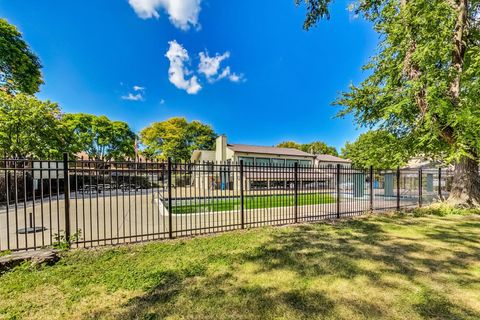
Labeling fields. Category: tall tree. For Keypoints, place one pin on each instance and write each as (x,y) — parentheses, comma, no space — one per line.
(423,84)
(289,144)
(29,127)
(99,137)
(176,138)
(319,147)
(19,66)
(378,148)
(316,147)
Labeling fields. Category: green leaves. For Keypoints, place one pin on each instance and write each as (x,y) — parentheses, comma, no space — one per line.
(99,137)
(176,138)
(410,90)
(19,66)
(377,148)
(30,127)
(316,10)
(316,147)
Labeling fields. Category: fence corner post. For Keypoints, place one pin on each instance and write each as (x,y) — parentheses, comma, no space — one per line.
(242,200)
(420,187)
(440,184)
(169,180)
(371,188)
(398,188)
(295,195)
(66,191)
(338,190)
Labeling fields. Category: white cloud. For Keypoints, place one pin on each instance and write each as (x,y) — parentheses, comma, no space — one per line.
(182,13)
(178,56)
(210,67)
(133,97)
(138,88)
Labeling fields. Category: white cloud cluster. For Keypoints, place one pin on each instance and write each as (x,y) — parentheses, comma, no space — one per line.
(211,66)
(182,13)
(177,73)
(137,96)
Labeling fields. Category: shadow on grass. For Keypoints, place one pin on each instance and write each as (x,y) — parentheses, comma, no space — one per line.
(318,252)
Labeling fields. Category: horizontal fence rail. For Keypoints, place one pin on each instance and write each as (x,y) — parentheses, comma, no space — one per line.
(85,203)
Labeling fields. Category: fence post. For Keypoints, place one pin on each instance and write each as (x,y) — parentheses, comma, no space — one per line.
(7,194)
(398,188)
(296,190)
(66,191)
(440,183)
(242,213)
(371,188)
(420,188)
(338,190)
(169,179)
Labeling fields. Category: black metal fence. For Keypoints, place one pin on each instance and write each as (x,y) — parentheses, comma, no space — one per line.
(83,203)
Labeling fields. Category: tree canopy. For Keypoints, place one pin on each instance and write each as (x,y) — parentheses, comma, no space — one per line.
(176,138)
(30,127)
(99,137)
(19,66)
(316,147)
(423,82)
(377,148)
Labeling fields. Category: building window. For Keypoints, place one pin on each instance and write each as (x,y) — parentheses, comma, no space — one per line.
(291,163)
(278,162)
(246,160)
(262,161)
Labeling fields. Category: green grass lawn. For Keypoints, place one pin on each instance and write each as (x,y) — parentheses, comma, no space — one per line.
(253,202)
(383,267)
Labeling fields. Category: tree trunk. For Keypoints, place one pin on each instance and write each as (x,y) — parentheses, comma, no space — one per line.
(466,184)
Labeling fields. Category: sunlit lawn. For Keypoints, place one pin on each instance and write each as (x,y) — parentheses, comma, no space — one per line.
(390,267)
(253,202)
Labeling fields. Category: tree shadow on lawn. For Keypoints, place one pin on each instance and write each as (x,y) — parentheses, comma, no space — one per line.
(316,253)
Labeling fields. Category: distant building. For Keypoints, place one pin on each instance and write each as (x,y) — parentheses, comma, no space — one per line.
(258,155)
(264,167)
(330,161)
(425,164)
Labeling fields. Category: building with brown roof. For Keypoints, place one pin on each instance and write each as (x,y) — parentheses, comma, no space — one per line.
(265,167)
(258,155)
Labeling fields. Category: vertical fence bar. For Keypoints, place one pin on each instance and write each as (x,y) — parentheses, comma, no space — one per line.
(242,200)
(398,188)
(420,189)
(169,177)
(7,195)
(440,183)
(66,191)
(371,188)
(337,186)
(295,177)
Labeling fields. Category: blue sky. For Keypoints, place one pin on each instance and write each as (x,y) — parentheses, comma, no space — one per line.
(271,80)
